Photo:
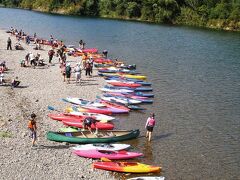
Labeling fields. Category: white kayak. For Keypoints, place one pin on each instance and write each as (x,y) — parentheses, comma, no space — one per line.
(117,90)
(83,102)
(102,146)
(99,117)
(148,178)
(122,100)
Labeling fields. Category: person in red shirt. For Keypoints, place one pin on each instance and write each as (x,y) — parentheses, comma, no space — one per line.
(149,126)
(33,128)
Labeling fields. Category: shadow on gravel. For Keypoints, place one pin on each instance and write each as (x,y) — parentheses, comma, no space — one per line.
(54,147)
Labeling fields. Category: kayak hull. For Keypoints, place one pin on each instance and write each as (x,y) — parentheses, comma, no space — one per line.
(129,167)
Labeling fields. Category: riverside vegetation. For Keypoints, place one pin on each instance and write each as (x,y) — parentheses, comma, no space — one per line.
(221,14)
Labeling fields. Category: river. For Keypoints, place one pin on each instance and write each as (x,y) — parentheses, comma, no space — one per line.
(196,79)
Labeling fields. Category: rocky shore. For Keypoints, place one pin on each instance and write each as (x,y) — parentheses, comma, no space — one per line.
(39,88)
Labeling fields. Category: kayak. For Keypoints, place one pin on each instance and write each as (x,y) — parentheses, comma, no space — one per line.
(86,137)
(102,146)
(129,88)
(89,110)
(82,102)
(148,178)
(102,60)
(141,77)
(79,124)
(125,84)
(114,105)
(142,100)
(116,90)
(124,95)
(99,117)
(97,154)
(90,50)
(143,83)
(122,100)
(129,167)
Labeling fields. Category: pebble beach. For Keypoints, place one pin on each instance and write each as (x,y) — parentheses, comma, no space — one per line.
(39,88)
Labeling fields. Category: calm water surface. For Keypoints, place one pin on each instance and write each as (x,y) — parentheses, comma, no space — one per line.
(196,80)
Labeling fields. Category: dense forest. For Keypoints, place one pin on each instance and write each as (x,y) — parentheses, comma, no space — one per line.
(222,14)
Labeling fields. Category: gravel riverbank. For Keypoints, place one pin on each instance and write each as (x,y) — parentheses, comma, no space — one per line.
(40,87)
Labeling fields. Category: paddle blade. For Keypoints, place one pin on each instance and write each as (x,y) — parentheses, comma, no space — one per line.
(104,159)
(64,100)
(51,108)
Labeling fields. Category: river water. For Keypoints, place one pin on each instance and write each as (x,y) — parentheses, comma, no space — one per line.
(196,80)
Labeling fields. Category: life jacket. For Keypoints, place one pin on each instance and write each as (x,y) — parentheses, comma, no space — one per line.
(31,124)
(151,122)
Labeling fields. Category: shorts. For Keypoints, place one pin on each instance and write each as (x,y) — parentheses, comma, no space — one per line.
(150,128)
(33,134)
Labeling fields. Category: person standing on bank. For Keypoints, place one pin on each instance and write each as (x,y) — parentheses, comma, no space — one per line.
(9,44)
(33,128)
(149,126)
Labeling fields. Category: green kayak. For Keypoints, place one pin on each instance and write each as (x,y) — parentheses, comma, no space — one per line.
(85,137)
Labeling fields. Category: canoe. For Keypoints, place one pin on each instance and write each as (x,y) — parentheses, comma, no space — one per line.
(148,178)
(85,137)
(102,146)
(97,154)
(79,124)
(129,167)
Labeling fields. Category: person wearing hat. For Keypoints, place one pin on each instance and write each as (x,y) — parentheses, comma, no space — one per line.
(68,72)
(149,126)
(33,128)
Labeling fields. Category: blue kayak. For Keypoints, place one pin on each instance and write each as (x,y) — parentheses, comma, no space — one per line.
(128,88)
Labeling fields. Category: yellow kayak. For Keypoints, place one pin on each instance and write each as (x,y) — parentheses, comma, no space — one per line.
(129,167)
(140,77)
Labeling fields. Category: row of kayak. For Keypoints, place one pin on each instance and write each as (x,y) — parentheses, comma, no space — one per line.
(123,94)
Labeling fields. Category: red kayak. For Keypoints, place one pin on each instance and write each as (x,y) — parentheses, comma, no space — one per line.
(124,84)
(63,116)
(102,60)
(90,50)
(99,125)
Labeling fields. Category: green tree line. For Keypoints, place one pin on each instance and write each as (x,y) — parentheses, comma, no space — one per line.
(218,13)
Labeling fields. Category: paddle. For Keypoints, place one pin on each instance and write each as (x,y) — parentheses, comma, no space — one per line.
(65,100)
(52,108)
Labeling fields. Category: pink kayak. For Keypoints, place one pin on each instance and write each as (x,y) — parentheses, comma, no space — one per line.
(97,154)
(77,123)
(124,84)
